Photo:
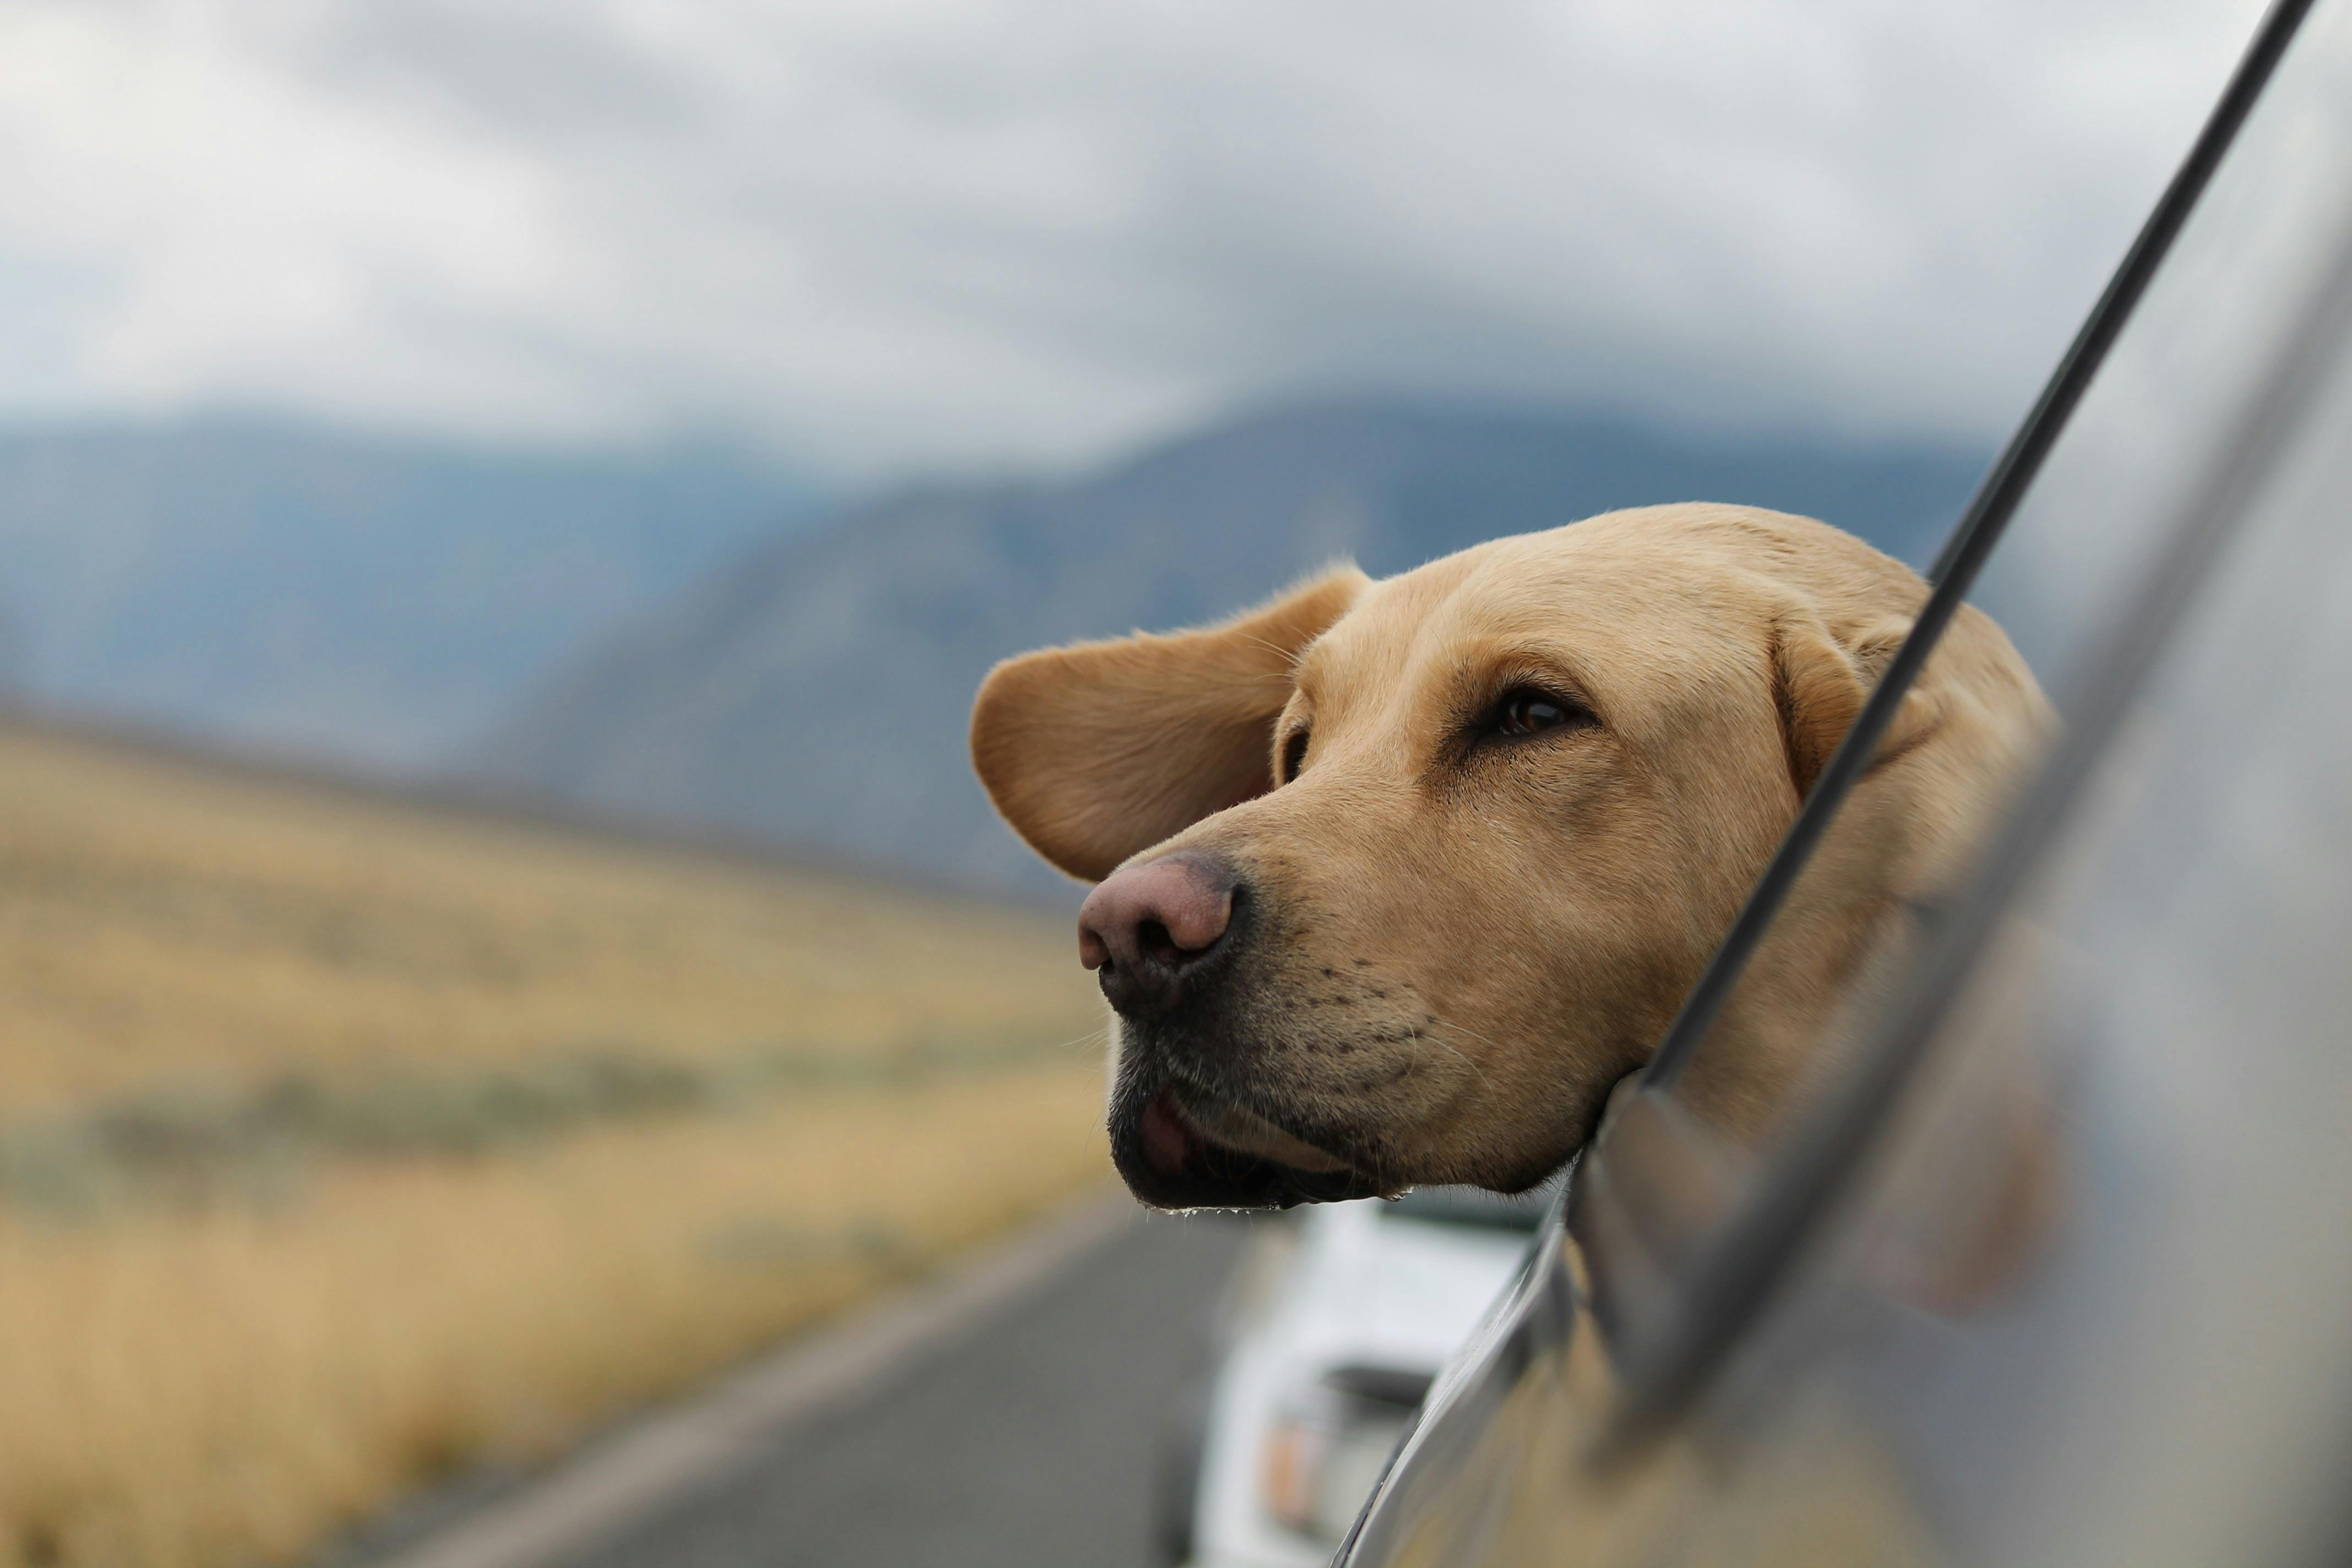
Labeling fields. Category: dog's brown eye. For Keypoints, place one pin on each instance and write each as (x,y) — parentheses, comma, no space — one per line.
(1529,713)
(1294,755)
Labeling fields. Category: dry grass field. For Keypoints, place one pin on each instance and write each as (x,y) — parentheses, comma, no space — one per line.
(345,1141)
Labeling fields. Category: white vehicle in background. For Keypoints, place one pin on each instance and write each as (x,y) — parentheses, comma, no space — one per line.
(1338,1319)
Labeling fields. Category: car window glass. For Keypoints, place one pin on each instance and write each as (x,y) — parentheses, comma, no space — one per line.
(2075,551)
(2088,1305)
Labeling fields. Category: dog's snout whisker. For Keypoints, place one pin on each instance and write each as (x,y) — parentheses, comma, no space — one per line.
(1433,1031)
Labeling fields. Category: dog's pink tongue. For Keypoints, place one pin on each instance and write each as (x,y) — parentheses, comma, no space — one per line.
(1167,1138)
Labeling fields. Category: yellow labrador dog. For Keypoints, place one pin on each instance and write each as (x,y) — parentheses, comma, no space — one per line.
(1398,878)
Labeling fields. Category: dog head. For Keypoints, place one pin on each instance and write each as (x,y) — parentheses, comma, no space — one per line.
(1398,878)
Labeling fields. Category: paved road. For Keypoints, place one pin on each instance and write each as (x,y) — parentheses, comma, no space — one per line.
(1027,1439)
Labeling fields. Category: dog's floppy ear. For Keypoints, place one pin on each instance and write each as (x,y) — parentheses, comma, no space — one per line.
(1819,682)
(1096,750)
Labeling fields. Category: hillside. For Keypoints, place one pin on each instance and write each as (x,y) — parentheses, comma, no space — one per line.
(346,1141)
(353,597)
(816,690)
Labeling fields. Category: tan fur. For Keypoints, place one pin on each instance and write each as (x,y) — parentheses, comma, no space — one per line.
(1466,941)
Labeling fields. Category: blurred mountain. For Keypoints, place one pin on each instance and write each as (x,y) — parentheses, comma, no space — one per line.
(320,594)
(816,690)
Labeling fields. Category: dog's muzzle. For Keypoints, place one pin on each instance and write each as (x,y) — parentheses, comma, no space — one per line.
(1162,1141)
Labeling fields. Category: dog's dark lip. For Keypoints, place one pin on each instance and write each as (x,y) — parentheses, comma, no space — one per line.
(1169,1162)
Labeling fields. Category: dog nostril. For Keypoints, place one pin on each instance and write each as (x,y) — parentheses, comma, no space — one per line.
(1153,942)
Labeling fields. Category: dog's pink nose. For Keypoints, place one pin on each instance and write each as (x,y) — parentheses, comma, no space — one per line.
(1155,916)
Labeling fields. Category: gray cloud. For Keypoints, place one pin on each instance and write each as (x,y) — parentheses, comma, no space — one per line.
(937,231)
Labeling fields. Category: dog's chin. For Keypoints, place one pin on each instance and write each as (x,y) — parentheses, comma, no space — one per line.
(1185,1151)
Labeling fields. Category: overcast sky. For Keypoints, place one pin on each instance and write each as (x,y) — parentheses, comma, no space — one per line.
(887,233)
